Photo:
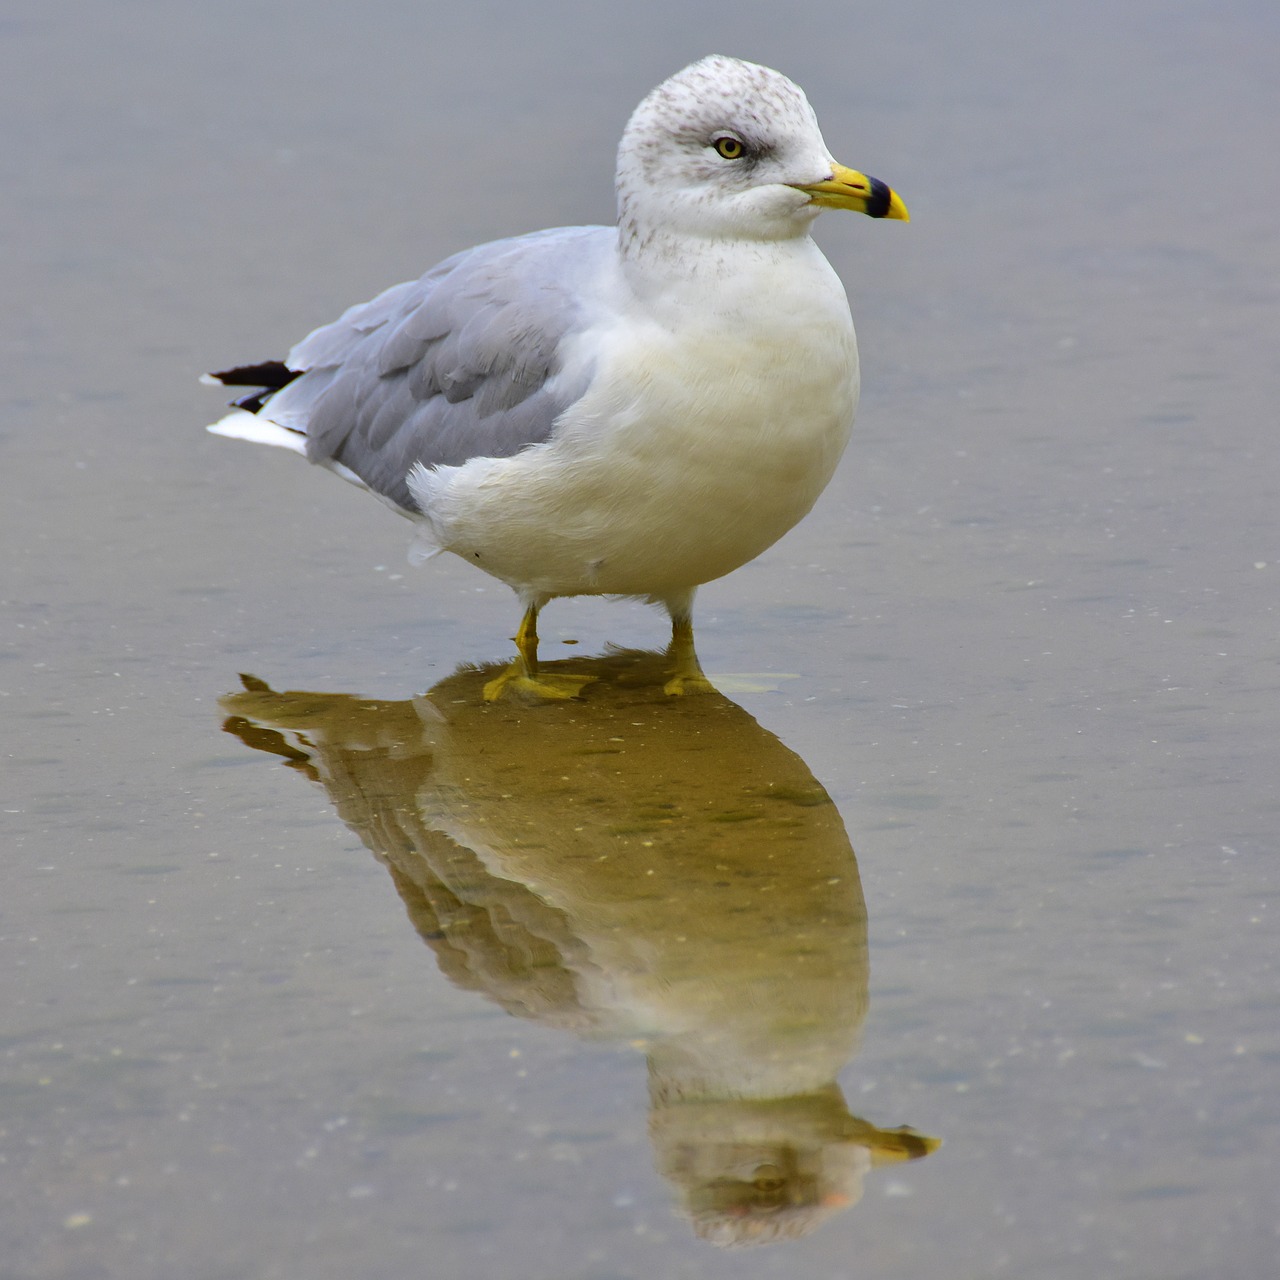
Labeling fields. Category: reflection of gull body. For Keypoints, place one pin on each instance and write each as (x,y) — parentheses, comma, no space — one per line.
(666,874)
(600,411)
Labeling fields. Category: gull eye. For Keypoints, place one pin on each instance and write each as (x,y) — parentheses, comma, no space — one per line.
(729,148)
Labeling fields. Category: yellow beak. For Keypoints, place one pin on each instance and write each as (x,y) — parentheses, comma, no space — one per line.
(849,189)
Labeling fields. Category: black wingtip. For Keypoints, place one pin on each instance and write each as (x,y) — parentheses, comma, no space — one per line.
(271,375)
(267,377)
(253,401)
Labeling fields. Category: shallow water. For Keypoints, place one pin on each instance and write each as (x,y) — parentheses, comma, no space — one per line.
(1022,659)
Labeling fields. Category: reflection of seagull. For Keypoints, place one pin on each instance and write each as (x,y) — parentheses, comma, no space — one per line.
(635,869)
(600,411)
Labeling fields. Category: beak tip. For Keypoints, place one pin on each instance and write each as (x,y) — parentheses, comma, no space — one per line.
(884,202)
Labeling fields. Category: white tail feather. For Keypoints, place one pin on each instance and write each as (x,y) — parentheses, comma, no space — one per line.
(242,425)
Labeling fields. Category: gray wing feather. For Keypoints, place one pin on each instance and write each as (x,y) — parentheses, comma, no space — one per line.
(457,365)
(334,342)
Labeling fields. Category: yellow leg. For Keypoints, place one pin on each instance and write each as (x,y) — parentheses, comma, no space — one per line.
(522,678)
(686,670)
(526,638)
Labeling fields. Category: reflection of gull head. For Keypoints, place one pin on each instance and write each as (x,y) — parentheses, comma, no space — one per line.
(752,1171)
(631,867)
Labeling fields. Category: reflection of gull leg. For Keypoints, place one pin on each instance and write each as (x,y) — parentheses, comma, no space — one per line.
(686,670)
(522,677)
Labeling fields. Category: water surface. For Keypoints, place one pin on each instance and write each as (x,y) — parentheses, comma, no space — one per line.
(1022,659)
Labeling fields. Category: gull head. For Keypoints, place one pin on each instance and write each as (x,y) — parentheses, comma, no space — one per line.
(731,150)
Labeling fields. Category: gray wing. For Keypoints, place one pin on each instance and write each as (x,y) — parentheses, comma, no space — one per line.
(458,365)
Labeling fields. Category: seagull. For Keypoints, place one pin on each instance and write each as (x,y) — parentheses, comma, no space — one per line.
(624,411)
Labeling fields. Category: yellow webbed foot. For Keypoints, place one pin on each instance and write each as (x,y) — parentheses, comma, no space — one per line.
(523,681)
(688,682)
(516,682)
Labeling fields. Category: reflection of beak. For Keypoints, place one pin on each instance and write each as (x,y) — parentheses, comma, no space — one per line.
(903,1143)
(849,189)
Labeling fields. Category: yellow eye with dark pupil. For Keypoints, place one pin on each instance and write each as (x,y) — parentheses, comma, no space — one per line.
(729,148)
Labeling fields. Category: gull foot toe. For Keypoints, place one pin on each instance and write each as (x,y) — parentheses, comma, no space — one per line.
(521,686)
(679,685)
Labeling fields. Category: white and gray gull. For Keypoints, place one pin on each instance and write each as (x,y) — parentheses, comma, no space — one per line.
(627,411)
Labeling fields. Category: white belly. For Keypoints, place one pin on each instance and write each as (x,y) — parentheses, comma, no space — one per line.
(688,457)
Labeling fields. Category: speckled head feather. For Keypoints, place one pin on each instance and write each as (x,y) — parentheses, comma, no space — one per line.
(673,180)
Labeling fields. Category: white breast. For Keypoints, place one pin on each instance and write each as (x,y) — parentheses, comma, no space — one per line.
(710,428)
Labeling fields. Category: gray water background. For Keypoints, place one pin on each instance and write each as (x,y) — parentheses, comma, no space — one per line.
(1028,642)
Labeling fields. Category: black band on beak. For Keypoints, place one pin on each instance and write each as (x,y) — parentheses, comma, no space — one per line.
(878,201)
